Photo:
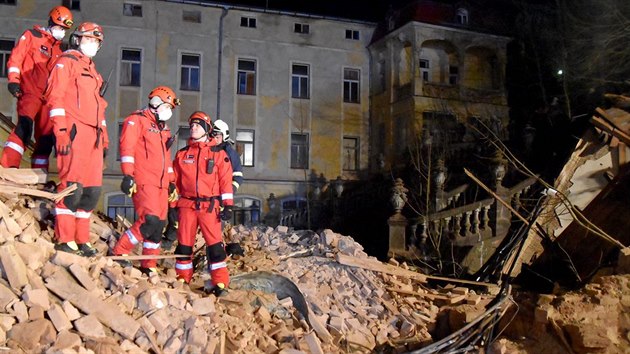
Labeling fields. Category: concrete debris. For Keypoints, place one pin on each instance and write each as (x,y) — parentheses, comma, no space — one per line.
(321,294)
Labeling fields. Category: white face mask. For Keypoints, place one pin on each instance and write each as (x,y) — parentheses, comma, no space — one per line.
(165,114)
(89,49)
(58,34)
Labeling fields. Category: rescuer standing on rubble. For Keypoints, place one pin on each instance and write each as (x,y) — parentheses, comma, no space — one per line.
(221,134)
(146,164)
(77,112)
(203,177)
(29,66)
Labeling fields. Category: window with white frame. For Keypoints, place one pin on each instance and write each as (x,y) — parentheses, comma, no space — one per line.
(246,211)
(299,151)
(248,22)
(130,67)
(246,77)
(190,72)
(350,153)
(299,81)
(132,9)
(351,85)
(6,46)
(120,204)
(425,70)
(352,34)
(301,28)
(461,16)
(245,146)
(191,16)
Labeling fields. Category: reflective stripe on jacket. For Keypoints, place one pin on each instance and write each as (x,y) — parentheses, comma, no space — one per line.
(32,59)
(143,152)
(73,92)
(194,179)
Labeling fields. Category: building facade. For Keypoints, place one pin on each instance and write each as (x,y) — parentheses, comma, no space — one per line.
(434,68)
(292,87)
(307,98)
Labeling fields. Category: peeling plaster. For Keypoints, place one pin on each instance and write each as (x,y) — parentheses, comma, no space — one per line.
(269,102)
(25,8)
(162,51)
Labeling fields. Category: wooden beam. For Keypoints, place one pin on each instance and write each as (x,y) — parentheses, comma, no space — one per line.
(377,266)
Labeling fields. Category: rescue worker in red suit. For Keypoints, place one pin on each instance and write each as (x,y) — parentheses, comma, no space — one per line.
(204,178)
(29,66)
(77,113)
(146,164)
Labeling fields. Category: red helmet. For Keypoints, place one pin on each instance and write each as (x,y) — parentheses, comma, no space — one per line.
(89,29)
(201,118)
(163,94)
(61,16)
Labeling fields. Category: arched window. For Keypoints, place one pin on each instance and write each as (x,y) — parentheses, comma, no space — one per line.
(246,210)
(118,203)
(461,16)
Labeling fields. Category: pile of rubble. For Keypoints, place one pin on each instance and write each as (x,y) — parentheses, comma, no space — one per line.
(595,319)
(292,292)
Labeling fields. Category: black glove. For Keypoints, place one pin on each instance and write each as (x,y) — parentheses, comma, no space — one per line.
(128,185)
(234,249)
(226,214)
(15,89)
(105,150)
(171,188)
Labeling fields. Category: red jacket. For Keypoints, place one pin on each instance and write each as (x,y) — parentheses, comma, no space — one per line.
(32,59)
(73,95)
(192,177)
(143,152)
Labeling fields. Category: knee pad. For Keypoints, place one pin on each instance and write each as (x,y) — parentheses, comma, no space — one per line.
(152,225)
(72,200)
(216,253)
(44,145)
(185,250)
(24,129)
(89,198)
(157,232)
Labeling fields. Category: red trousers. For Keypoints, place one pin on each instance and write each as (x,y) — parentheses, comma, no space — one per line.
(151,204)
(82,166)
(29,106)
(207,219)
(44,140)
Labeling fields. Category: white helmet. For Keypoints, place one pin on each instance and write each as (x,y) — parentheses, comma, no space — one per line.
(220,126)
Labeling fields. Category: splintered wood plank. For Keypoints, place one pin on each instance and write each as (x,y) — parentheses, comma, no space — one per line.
(62,284)
(7,188)
(376,266)
(23,175)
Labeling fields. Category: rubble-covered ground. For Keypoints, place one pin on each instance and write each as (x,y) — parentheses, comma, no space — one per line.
(595,319)
(292,292)
(55,302)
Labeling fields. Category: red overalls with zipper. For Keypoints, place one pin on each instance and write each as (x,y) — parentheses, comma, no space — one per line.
(75,106)
(29,65)
(144,156)
(203,176)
